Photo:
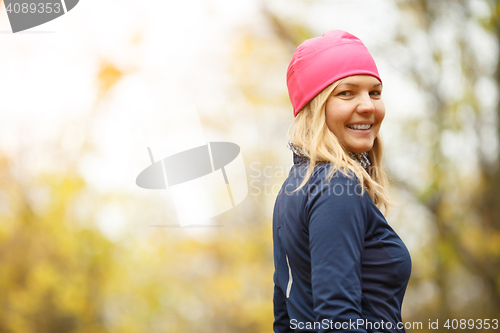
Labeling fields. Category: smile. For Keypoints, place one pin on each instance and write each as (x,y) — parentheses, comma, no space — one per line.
(360,127)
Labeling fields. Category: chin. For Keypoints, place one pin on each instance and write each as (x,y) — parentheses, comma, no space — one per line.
(361,149)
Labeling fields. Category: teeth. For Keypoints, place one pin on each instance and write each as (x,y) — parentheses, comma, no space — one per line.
(360,127)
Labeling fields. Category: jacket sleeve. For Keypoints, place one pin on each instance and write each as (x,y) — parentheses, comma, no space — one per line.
(337,224)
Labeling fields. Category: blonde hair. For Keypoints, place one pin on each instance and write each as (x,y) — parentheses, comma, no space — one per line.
(310,131)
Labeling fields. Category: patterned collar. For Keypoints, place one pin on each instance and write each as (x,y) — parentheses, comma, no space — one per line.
(299,156)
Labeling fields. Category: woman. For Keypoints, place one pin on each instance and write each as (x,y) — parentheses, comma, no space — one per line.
(338,265)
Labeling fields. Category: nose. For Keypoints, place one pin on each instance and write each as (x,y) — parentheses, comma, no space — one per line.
(365,104)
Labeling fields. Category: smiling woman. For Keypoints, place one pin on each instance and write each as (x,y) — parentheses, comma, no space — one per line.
(354,112)
(338,263)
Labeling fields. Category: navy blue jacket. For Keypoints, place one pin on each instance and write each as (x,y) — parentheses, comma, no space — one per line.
(339,266)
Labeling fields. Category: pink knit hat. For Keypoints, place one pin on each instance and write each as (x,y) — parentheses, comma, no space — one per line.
(320,61)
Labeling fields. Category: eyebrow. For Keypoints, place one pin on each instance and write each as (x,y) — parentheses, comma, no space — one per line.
(357,86)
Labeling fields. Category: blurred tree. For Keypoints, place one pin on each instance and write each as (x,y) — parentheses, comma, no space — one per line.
(59,272)
(54,265)
(453,70)
(51,278)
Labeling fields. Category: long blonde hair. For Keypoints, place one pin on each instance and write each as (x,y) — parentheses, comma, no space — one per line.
(310,131)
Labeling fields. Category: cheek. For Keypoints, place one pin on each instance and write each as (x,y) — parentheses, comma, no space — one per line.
(334,123)
(337,115)
(380,114)
(337,128)
(329,116)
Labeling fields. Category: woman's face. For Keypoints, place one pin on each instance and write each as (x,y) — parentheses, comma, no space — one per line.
(354,112)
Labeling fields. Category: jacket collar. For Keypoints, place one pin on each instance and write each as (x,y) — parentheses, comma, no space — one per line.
(299,159)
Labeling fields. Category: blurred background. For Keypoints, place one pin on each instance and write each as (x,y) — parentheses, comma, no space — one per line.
(83,249)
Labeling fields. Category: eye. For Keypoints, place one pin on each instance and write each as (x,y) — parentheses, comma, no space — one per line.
(376,93)
(345,93)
